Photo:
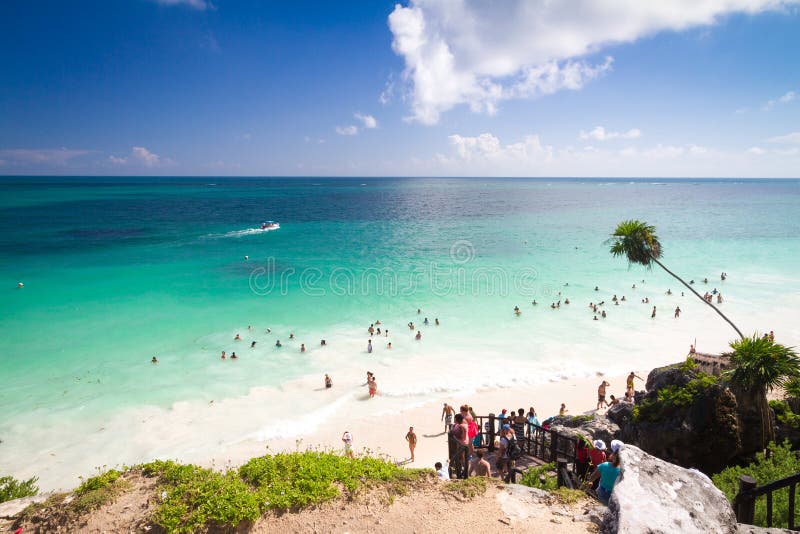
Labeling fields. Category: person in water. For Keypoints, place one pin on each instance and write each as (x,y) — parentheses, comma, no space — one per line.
(302,347)
(237,338)
(154,360)
(328,382)
(291,335)
(418,336)
(436,321)
(677,312)
(322,342)
(223,355)
(653,315)
(425,322)
(369,346)
(253,345)
(278,343)
(389,346)
(233,356)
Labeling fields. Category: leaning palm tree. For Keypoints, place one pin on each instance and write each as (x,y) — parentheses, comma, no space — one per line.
(759,365)
(637,241)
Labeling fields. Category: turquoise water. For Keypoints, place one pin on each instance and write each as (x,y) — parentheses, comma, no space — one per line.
(116,271)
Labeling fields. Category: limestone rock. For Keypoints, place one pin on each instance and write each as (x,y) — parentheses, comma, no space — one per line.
(593,427)
(750,529)
(10,509)
(655,497)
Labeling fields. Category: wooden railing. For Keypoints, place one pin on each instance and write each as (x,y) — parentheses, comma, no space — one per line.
(745,502)
(543,444)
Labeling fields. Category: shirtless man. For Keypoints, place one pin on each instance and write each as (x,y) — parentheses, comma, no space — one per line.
(480,467)
(629,381)
(447,416)
(601,394)
(411,438)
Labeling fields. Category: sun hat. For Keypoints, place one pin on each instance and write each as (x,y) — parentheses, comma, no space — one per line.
(615,445)
(599,444)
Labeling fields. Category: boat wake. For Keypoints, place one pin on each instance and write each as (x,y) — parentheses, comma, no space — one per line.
(243,233)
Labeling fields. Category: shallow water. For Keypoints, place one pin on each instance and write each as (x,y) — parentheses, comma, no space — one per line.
(119,270)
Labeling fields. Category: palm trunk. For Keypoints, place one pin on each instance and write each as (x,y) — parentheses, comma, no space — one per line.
(690,288)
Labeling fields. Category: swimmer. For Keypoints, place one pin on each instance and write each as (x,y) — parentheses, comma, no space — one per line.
(387,332)
(389,346)
(379,331)
(595,318)
(653,315)
(436,321)
(705,280)
(369,346)
(237,338)
(677,312)
(378,321)
(411,326)
(419,311)
(623,298)
(269,330)
(425,322)
(418,336)
(566,301)
(371,329)
(233,356)
(517,310)
(596,288)
(247,257)
(223,355)
(249,327)
(669,292)
(633,286)
(322,343)
(328,382)
(20,285)
(291,336)
(154,360)
(278,343)
(253,345)
(302,347)
(603,314)
(616,303)
(534,302)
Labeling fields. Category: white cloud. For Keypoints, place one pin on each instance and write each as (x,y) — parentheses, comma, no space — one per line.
(118,160)
(487,147)
(598,133)
(196,4)
(756,151)
(347,130)
(368,121)
(147,158)
(783,99)
(479,53)
(46,156)
(697,149)
(790,138)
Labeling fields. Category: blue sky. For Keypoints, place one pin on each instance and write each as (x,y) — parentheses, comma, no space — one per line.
(431,87)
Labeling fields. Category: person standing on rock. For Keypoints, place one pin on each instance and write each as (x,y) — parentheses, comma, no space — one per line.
(629,383)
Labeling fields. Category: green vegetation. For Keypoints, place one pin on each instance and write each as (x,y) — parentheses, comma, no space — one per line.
(760,364)
(569,496)
(542,477)
(783,463)
(98,490)
(784,414)
(11,488)
(638,243)
(671,399)
(467,488)
(193,497)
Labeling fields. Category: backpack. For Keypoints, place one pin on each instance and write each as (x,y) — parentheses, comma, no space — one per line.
(513,449)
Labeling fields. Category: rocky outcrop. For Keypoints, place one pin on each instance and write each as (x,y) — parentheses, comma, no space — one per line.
(704,434)
(590,426)
(653,496)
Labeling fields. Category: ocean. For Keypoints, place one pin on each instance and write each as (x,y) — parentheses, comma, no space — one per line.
(119,270)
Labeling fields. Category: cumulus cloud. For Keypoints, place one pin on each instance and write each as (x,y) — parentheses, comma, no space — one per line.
(783,99)
(139,155)
(599,133)
(201,5)
(790,138)
(479,53)
(756,151)
(487,147)
(368,121)
(352,129)
(118,160)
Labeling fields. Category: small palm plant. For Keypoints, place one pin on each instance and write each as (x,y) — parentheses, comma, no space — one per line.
(638,242)
(759,365)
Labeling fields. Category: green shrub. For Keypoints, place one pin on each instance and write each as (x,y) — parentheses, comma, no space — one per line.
(194,497)
(784,414)
(97,491)
(670,399)
(782,463)
(542,477)
(467,488)
(11,488)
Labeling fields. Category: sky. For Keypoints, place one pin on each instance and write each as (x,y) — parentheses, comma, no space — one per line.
(585,88)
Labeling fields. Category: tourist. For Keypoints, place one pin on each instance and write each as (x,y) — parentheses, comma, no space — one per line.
(425,322)
(653,315)
(223,355)
(371,329)
(629,396)
(436,321)
(677,311)
(253,345)
(629,381)
(480,467)
(418,336)
(347,439)
(302,347)
(278,343)
(233,356)
(372,387)
(771,335)
(441,472)
(691,349)
(597,455)
(419,311)
(563,410)
(237,338)
(154,360)
(389,345)
(447,416)
(603,314)
(601,394)
(411,438)
(387,332)
(532,421)
(606,473)
(459,430)
(520,421)
(582,447)
(501,419)
(369,346)
(517,311)
(328,382)
(291,335)
(719,298)
(269,330)
(503,455)
(614,401)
